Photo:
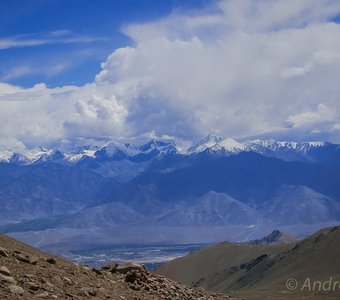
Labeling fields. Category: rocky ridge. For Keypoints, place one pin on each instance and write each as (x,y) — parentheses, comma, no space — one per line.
(275,237)
(26,273)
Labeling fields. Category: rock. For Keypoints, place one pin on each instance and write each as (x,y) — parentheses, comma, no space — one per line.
(33,286)
(57,280)
(33,260)
(67,280)
(111,267)
(51,260)
(98,272)
(23,258)
(130,266)
(89,291)
(17,290)
(46,283)
(43,295)
(29,276)
(69,295)
(5,271)
(7,279)
(132,276)
(3,252)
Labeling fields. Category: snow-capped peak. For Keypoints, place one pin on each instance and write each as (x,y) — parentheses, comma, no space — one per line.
(216,144)
(211,138)
(154,144)
(230,145)
(210,141)
(273,145)
(5,156)
(111,148)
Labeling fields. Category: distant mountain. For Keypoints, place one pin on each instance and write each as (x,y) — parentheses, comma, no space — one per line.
(103,216)
(246,189)
(98,154)
(212,209)
(48,189)
(216,145)
(213,183)
(301,205)
(284,150)
(248,177)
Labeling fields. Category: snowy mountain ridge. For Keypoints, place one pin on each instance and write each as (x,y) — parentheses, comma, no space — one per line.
(213,144)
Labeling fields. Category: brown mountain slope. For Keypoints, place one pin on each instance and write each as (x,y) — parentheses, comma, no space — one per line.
(265,275)
(193,268)
(316,257)
(26,273)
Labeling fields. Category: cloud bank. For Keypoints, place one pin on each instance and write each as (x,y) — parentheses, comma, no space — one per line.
(241,68)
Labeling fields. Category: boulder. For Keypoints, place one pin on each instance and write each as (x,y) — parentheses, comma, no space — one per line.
(111,267)
(43,295)
(5,271)
(34,260)
(23,258)
(3,252)
(130,266)
(17,290)
(89,291)
(67,280)
(33,286)
(7,279)
(51,260)
(98,272)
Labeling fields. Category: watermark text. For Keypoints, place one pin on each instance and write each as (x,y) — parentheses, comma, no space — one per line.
(309,285)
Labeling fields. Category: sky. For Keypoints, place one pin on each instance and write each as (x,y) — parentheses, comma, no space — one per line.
(121,69)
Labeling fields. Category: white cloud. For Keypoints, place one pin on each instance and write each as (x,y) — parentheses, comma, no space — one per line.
(321,117)
(46,38)
(27,70)
(11,144)
(243,68)
(17,72)
(296,71)
(98,117)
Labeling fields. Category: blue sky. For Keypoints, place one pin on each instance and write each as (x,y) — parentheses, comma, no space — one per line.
(95,24)
(121,69)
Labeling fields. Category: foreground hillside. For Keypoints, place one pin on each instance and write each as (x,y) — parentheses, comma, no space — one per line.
(198,267)
(262,269)
(26,273)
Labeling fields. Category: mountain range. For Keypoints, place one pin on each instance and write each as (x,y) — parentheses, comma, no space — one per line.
(175,191)
(95,155)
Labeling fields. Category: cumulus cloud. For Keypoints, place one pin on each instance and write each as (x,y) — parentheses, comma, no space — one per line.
(98,117)
(242,68)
